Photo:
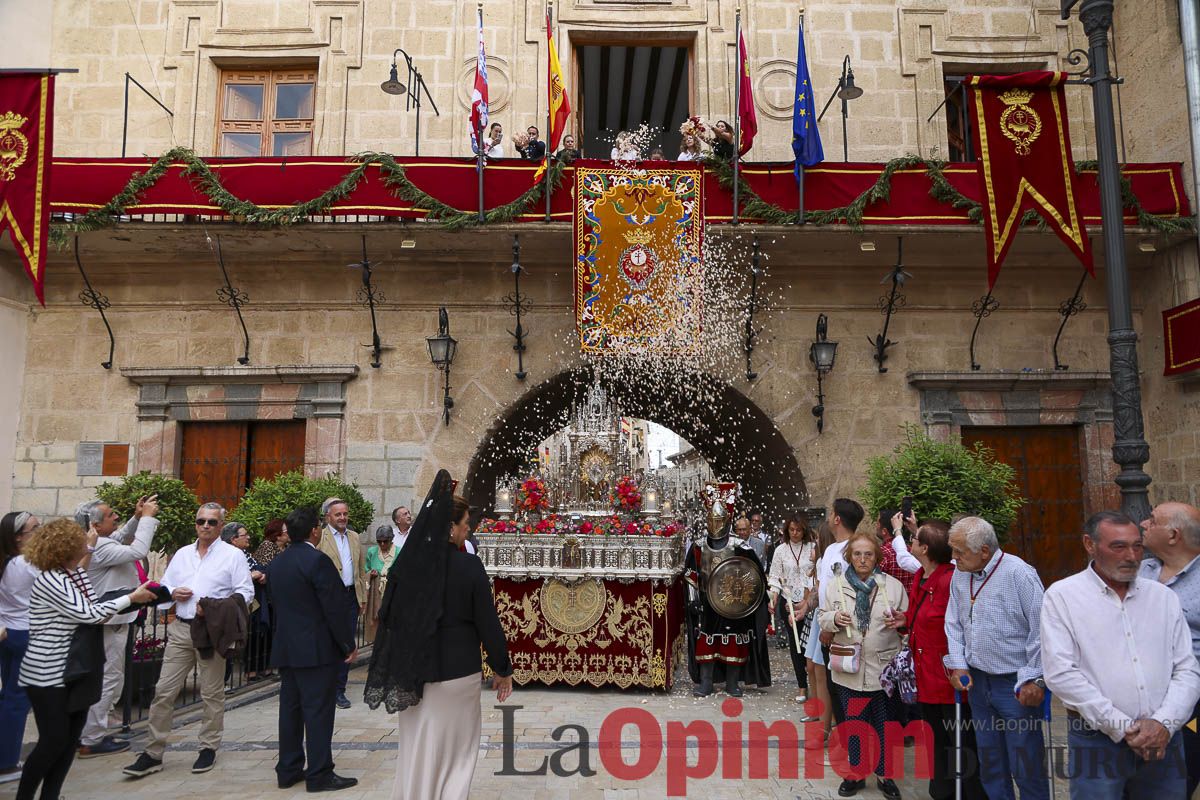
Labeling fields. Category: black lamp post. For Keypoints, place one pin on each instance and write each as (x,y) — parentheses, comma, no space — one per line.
(822,354)
(847,91)
(1130,450)
(441,352)
(411,91)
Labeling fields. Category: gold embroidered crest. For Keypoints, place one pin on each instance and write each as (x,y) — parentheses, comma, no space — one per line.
(1019,122)
(14,147)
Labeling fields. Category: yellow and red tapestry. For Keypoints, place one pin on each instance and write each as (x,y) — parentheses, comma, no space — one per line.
(26,110)
(1020,128)
(638,267)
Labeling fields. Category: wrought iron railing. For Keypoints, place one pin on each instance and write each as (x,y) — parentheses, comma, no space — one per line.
(143,661)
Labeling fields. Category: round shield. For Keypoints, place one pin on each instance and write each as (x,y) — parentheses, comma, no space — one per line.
(736,587)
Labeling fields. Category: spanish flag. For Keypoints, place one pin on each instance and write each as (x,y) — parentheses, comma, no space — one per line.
(560,107)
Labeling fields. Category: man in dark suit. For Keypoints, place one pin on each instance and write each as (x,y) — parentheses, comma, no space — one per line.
(312,639)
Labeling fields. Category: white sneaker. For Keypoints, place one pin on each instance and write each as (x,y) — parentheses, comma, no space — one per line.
(11,774)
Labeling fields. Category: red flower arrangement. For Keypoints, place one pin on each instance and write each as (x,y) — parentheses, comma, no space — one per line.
(554,524)
(532,495)
(627,496)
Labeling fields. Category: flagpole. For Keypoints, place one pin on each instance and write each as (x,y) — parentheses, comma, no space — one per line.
(479,137)
(549,111)
(800,167)
(737,104)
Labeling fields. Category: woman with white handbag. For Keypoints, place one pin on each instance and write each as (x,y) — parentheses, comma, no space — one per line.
(858,607)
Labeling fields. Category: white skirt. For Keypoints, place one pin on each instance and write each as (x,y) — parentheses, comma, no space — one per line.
(439,742)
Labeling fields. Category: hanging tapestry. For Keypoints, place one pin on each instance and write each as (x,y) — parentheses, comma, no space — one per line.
(26,122)
(1020,128)
(638,268)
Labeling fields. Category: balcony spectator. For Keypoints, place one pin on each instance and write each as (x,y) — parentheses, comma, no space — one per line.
(624,148)
(689,149)
(723,143)
(568,152)
(494,142)
(531,148)
(657,154)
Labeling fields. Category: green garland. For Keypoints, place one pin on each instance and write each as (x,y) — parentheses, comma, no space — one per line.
(941,189)
(249,212)
(396,179)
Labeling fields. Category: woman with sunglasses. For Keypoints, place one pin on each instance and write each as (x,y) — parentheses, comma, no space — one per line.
(16,585)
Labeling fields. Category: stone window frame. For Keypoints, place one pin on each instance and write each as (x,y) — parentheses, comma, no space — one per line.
(952,400)
(170,395)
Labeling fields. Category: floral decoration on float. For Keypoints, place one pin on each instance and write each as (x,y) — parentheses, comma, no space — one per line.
(626,495)
(532,495)
(557,525)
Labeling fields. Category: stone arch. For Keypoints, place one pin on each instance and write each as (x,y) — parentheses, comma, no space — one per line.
(738,438)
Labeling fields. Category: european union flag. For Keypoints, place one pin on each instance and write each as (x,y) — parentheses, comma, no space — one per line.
(806,139)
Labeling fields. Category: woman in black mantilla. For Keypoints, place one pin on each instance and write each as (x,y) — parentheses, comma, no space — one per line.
(436,612)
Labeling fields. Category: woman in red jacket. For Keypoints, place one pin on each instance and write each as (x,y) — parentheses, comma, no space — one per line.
(926,618)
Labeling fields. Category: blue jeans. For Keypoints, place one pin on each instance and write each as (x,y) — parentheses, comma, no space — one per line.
(1101,769)
(14,705)
(1009,739)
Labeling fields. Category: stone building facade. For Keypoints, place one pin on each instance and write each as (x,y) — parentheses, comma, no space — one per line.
(177,345)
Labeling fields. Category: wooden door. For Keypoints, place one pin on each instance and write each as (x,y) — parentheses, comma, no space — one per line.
(1048,471)
(275,448)
(213,460)
(221,459)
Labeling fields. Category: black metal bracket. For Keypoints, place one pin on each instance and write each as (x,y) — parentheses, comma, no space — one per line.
(890,304)
(983,307)
(368,296)
(819,409)
(236,298)
(1077,57)
(517,306)
(1066,310)
(751,331)
(90,297)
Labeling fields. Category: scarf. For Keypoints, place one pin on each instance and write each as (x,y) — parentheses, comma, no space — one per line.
(862,597)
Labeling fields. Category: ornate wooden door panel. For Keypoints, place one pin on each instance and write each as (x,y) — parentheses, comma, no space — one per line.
(275,447)
(213,460)
(220,460)
(1049,473)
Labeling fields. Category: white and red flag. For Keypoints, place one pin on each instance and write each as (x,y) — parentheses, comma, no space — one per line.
(479,94)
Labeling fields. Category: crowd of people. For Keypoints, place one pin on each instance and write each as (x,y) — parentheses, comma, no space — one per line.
(626,146)
(907,621)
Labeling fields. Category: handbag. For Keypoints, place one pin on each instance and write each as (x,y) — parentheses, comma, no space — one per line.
(899,677)
(845,658)
(83,673)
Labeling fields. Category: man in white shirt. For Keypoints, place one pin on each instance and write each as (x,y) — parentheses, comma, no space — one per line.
(209,568)
(112,569)
(1117,651)
(401,524)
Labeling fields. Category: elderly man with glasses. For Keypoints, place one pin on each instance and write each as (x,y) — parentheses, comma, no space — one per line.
(207,569)
(112,570)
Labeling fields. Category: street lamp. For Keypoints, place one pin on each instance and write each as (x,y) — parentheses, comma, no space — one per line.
(411,91)
(822,354)
(441,352)
(1130,450)
(846,90)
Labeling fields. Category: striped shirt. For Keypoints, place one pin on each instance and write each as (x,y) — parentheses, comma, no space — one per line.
(59,604)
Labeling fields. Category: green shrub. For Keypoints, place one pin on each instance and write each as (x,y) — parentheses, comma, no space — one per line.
(283,494)
(945,480)
(177,506)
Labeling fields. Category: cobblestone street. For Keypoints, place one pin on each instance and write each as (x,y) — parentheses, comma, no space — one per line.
(364,747)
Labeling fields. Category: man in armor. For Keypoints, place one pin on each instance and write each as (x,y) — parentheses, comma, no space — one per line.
(727,618)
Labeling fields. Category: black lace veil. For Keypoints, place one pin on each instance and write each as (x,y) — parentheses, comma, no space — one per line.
(404,653)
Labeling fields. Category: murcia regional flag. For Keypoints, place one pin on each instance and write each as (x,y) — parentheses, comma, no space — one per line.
(26,145)
(479,94)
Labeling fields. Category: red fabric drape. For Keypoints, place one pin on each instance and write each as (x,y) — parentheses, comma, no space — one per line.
(83,184)
(26,142)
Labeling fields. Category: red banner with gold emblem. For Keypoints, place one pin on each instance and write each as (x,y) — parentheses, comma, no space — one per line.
(1020,127)
(26,111)
(1181,332)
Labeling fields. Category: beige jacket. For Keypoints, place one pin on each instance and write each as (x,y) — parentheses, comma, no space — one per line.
(880,642)
(329,547)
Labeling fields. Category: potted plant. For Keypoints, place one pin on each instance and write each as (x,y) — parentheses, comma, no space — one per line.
(272,498)
(145,666)
(177,506)
(945,480)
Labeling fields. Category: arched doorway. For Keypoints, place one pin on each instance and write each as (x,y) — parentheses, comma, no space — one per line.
(729,430)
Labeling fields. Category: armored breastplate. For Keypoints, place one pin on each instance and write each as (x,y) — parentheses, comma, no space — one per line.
(710,558)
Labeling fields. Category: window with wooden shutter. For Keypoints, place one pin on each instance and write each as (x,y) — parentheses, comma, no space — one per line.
(266,112)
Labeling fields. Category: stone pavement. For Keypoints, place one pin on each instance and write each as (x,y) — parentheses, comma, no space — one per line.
(364,747)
